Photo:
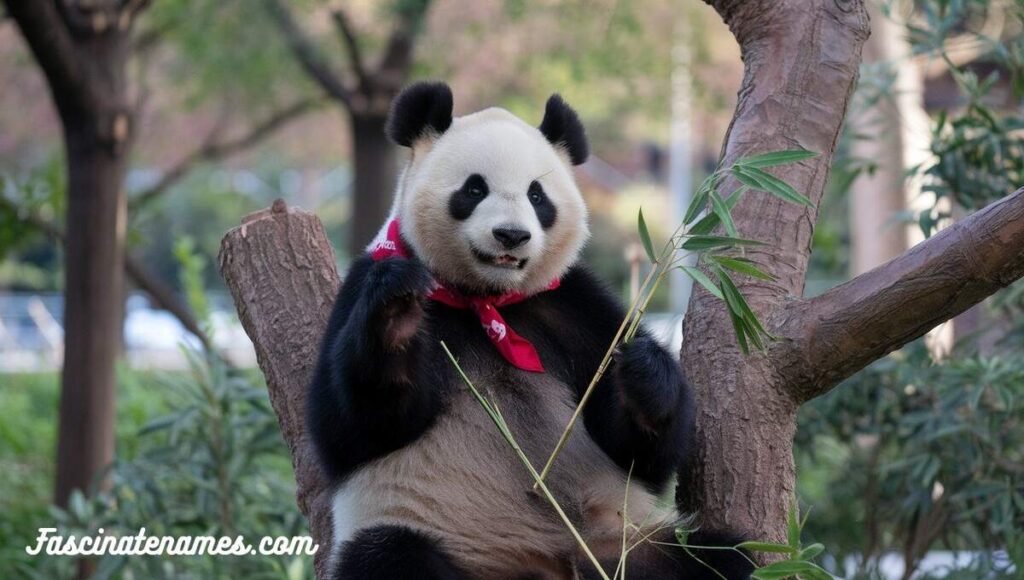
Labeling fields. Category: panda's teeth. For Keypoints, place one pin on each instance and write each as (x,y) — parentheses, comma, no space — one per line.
(506,261)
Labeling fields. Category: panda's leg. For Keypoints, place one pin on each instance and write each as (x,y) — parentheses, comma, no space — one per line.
(394,553)
(656,559)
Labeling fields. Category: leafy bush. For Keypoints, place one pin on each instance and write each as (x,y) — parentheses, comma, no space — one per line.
(212,464)
(910,456)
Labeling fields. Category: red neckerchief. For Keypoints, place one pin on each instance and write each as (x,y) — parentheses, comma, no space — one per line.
(516,349)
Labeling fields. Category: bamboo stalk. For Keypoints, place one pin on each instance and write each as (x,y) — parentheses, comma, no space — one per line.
(499,421)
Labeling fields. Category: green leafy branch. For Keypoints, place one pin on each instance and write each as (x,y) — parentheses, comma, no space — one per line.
(798,562)
(708,210)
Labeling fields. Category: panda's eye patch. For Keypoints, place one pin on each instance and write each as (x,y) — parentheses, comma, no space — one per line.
(467,197)
(542,205)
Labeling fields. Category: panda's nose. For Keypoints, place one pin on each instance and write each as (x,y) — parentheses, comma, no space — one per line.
(511,238)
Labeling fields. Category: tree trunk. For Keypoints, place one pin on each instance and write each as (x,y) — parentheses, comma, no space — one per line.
(93,305)
(801,64)
(375,165)
(281,272)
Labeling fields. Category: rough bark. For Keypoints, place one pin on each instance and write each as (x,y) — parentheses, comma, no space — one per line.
(281,272)
(82,49)
(801,62)
(832,336)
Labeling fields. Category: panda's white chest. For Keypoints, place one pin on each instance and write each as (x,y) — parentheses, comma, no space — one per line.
(462,482)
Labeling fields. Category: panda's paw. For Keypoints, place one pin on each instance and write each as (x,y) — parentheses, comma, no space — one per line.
(649,381)
(397,290)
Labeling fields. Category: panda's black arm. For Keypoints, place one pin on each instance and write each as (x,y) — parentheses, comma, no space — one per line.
(363,401)
(641,412)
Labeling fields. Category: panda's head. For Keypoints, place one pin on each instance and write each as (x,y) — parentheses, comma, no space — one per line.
(488,201)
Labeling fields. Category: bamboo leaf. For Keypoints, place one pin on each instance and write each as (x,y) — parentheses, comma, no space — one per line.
(645,237)
(738,326)
(748,327)
(766,547)
(682,536)
(703,280)
(743,267)
(730,290)
(723,212)
(793,526)
(777,158)
(811,551)
(711,221)
(708,242)
(765,181)
(696,205)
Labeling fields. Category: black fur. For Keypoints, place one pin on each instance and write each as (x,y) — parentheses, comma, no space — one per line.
(659,561)
(420,108)
(368,400)
(466,198)
(395,553)
(379,386)
(545,210)
(368,397)
(562,128)
(641,413)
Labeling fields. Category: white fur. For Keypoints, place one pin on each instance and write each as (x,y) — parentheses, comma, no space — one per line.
(509,154)
(344,514)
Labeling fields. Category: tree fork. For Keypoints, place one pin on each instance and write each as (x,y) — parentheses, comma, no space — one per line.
(801,60)
(832,336)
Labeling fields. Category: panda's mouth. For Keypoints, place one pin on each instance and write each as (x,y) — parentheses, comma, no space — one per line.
(506,261)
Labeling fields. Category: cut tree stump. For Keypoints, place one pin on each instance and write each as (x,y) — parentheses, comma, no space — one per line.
(280,269)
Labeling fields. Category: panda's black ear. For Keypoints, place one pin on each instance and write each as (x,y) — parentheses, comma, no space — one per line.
(562,128)
(419,109)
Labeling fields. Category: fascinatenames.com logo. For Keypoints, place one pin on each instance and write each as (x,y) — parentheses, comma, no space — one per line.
(51,544)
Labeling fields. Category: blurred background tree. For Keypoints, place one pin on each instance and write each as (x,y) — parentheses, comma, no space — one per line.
(213,108)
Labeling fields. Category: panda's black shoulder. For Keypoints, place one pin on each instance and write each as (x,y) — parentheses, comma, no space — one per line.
(580,284)
(586,298)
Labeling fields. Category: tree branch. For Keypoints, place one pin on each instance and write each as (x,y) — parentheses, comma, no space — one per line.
(51,43)
(355,55)
(830,337)
(306,52)
(163,296)
(397,59)
(211,151)
(281,272)
(148,39)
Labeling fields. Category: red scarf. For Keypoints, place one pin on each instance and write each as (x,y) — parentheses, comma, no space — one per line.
(516,349)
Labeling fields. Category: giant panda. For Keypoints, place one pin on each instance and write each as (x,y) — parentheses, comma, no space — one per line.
(482,251)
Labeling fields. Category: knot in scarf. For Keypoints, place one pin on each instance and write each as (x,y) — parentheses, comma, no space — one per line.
(516,349)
